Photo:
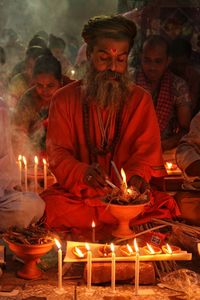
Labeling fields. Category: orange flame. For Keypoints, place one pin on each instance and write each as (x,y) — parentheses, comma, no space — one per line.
(136,246)
(57,243)
(112,247)
(44,161)
(19,157)
(169,249)
(150,249)
(169,165)
(24,160)
(129,248)
(124,177)
(87,246)
(36,160)
(79,252)
(93,224)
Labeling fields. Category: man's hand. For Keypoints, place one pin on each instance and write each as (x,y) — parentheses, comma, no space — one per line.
(139,183)
(94,176)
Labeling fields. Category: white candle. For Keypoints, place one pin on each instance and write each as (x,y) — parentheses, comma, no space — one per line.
(20,168)
(36,173)
(59,264)
(137,267)
(112,247)
(93,231)
(45,172)
(89,266)
(25,174)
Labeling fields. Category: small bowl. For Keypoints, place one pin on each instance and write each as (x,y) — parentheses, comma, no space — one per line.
(125,252)
(105,251)
(175,249)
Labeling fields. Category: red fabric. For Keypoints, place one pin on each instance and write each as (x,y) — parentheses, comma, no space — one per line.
(72,202)
(164,104)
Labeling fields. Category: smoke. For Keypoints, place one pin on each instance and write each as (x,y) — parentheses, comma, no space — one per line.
(68,16)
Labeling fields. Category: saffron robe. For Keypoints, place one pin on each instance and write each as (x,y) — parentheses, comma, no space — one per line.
(71,202)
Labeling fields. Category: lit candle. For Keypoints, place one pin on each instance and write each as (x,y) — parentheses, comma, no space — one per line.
(93,232)
(130,250)
(89,266)
(25,174)
(169,249)
(45,172)
(35,173)
(59,264)
(137,267)
(20,168)
(112,247)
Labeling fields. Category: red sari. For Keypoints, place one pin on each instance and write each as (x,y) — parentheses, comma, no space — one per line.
(72,203)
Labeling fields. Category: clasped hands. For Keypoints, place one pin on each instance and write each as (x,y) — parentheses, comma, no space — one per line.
(95,177)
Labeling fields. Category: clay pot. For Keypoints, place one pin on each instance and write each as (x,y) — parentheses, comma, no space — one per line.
(125,213)
(29,254)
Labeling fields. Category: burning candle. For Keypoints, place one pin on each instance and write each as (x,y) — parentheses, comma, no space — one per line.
(151,249)
(45,172)
(112,247)
(93,232)
(89,266)
(129,248)
(35,173)
(137,267)
(25,174)
(20,168)
(59,264)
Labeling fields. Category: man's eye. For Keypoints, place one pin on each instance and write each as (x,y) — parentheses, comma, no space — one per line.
(121,59)
(103,58)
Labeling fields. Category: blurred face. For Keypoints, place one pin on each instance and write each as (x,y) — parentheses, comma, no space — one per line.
(57,52)
(46,86)
(154,62)
(110,54)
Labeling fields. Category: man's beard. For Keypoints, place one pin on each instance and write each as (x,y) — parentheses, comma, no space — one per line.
(106,88)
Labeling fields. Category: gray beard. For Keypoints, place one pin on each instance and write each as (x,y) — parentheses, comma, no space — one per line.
(106,88)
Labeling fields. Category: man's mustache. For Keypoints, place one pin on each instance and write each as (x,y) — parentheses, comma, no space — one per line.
(110,74)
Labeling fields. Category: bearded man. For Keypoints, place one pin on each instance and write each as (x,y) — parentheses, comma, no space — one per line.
(99,119)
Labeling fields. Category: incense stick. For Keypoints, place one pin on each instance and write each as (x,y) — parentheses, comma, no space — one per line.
(112,185)
(116,171)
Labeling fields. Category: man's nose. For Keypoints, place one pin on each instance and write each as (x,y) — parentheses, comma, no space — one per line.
(112,65)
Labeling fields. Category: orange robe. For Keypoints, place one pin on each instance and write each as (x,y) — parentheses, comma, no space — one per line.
(72,203)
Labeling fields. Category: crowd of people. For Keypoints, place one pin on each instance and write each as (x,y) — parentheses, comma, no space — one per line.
(111,113)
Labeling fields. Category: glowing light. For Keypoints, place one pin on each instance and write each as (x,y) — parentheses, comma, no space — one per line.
(93,224)
(136,246)
(124,177)
(150,249)
(169,165)
(169,249)
(87,246)
(19,157)
(24,160)
(57,243)
(112,247)
(36,160)
(129,248)
(79,252)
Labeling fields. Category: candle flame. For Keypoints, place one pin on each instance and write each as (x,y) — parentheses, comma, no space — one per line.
(57,243)
(19,157)
(93,224)
(87,246)
(36,160)
(79,252)
(124,177)
(24,160)
(169,165)
(169,249)
(150,249)
(136,246)
(72,71)
(44,161)
(129,248)
(112,247)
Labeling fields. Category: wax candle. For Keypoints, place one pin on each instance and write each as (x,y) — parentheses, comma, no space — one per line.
(20,168)
(25,174)
(112,247)
(35,173)
(93,231)
(45,172)
(137,267)
(89,266)
(59,264)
